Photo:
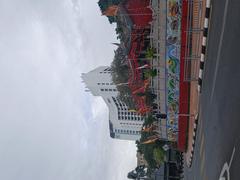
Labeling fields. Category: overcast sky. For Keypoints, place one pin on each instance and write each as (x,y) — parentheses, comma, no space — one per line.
(50,129)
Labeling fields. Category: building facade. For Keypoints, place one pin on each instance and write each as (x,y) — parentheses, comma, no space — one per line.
(123,122)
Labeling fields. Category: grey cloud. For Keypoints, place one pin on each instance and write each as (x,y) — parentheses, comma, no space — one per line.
(48,130)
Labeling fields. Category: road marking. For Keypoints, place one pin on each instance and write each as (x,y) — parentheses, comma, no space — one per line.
(202,163)
(200,126)
(202,155)
(230,163)
(226,168)
(220,46)
(205,176)
(201,145)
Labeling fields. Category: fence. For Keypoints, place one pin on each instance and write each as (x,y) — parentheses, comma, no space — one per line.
(194,34)
(157,41)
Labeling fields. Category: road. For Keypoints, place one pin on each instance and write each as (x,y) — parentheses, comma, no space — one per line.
(218,135)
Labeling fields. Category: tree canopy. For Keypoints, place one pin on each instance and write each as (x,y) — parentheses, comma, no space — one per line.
(153,153)
(120,75)
(104,4)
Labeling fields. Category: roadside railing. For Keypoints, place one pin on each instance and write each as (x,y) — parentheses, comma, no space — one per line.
(194,34)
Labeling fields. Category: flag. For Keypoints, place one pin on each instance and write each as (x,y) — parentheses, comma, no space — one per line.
(150,141)
(144,66)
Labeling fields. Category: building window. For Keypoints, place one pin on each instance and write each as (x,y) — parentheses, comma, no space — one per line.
(98,83)
(106,89)
(102,89)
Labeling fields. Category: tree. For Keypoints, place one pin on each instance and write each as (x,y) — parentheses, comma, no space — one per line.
(118,29)
(104,4)
(148,150)
(125,95)
(132,175)
(150,53)
(150,73)
(149,120)
(138,172)
(150,97)
(140,94)
(120,75)
(158,154)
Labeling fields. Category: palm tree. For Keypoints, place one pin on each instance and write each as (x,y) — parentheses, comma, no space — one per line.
(150,73)
(150,53)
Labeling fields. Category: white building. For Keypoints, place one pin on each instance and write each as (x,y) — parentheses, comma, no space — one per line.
(123,123)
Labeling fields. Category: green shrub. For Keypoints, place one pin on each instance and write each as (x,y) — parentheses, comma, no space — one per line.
(158,155)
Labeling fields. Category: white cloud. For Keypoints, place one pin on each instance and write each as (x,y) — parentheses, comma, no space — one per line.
(48,128)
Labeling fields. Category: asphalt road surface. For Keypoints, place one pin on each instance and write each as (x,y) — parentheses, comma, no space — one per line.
(217,150)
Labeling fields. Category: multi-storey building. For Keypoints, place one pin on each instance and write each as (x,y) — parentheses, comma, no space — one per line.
(123,122)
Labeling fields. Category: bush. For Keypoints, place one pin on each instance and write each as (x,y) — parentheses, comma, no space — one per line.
(148,73)
(148,120)
(150,97)
(150,53)
(149,149)
(158,155)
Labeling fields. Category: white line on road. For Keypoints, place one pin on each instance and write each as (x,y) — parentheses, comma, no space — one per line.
(230,163)
(220,46)
(203,160)
(202,145)
(226,168)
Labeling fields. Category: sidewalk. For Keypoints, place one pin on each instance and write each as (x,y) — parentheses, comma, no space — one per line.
(194,93)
